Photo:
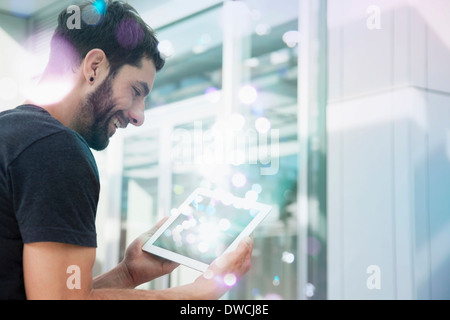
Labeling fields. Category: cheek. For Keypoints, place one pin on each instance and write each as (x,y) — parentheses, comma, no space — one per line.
(122,103)
(123,98)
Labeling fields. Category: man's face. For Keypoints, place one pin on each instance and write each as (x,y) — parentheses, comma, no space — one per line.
(116,102)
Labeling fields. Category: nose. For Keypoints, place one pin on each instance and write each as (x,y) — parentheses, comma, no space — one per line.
(136,115)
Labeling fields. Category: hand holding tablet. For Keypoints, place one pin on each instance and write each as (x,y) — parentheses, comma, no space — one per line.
(207,225)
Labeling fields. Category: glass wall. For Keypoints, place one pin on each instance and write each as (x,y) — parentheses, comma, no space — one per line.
(223,121)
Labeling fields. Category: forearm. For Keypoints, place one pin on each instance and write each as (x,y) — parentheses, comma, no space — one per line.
(117,278)
(198,290)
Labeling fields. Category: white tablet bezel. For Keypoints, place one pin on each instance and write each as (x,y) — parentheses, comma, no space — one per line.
(263,210)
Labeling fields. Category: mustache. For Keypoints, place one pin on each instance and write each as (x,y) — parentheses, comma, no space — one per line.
(124,121)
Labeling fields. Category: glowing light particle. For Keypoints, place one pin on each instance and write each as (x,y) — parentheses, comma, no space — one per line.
(178,189)
(288,257)
(256,292)
(309,290)
(203,247)
(237,121)
(262,125)
(190,238)
(9,89)
(210,210)
(224,224)
(209,274)
(230,279)
(100,6)
(237,157)
(176,237)
(276,281)
(251,196)
(227,199)
(213,94)
(291,38)
(262,29)
(186,225)
(239,180)
(187,211)
(272,296)
(166,49)
(257,188)
(248,94)
(93,14)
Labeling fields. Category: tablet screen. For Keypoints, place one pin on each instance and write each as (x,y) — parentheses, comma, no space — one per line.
(205,228)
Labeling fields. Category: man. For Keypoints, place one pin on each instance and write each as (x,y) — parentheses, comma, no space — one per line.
(49,183)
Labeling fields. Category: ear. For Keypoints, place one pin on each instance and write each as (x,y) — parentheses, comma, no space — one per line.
(96,66)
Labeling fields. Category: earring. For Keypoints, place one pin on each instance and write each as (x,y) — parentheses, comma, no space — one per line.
(91,79)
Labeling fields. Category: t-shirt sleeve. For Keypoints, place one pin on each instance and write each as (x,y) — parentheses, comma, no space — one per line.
(56,187)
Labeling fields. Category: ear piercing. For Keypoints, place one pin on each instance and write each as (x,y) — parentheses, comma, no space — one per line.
(91,79)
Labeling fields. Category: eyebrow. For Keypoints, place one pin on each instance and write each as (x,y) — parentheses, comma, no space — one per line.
(144,87)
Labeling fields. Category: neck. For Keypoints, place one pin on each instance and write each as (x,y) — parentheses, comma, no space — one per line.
(59,96)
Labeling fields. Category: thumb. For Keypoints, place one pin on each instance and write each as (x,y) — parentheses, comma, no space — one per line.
(148,234)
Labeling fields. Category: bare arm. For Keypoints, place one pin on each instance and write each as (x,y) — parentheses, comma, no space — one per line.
(48,275)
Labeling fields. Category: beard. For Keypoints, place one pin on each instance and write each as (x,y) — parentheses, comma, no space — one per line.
(95,116)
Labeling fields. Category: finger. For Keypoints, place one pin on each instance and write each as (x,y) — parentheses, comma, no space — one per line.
(247,247)
(241,254)
(148,234)
(170,265)
(246,244)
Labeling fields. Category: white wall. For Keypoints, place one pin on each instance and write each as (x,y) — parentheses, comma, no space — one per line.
(13,33)
(388,149)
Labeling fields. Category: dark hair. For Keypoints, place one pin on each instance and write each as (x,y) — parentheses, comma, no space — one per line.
(112,26)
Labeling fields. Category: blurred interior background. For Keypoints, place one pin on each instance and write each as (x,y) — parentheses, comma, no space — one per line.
(335,112)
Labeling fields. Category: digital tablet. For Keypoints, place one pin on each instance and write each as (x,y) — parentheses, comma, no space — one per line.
(207,224)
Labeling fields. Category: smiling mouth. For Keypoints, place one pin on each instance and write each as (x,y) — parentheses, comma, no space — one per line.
(119,122)
(116,123)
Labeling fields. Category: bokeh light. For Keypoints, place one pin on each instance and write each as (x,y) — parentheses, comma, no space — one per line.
(251,196)
(237,121)
(288,257)
(257,188)
(224,224)
(230,279)
(291,38)
(209,274)
(248,94)
(262,125)
(93,14)
(129,34)
(276,281)
(9,89)
(239,180)
(166,49)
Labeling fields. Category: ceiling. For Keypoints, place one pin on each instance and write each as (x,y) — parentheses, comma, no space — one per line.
(24,8)
(27,8)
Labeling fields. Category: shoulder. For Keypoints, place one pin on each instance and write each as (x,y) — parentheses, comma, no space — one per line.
(63,153)
(30,132)
(32,129)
